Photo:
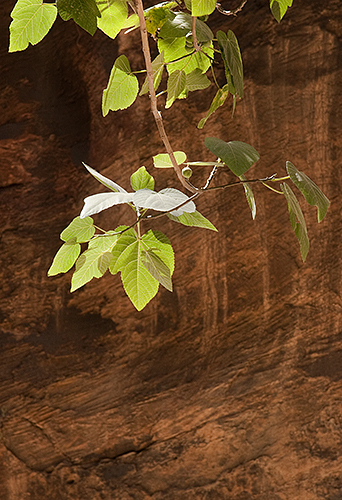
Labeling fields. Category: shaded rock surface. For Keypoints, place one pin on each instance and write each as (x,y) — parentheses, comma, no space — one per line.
(229,388)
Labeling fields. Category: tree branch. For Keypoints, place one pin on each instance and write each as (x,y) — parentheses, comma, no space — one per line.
(231,12)
(154,109)
(194,35)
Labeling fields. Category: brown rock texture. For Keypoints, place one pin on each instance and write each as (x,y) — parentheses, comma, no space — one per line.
(230,387)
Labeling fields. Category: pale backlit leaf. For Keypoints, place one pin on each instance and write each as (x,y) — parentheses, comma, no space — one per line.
(104,180)
(164,201)
(97,202)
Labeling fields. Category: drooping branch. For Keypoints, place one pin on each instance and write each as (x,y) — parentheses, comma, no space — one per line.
(154,108)
(231,12)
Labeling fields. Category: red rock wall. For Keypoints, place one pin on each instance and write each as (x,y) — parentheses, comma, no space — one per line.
(229,388)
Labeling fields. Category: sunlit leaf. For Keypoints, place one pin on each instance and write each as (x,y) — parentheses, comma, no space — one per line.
(80,229)
(32,19)
(193,219)
(121,251)
(310,191)
(122,88)
(113,16)
(175,86)
(163,160)
(65,258)
(297,220)
(83,12)
(279,8)
(157,15)
(137,281)
(238,156)
(141,179)
(91,262)
(219,100)
(164,201)
(175,50)
(202,7)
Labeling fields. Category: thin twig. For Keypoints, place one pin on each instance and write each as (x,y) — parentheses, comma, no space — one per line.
(231,12)
(210,178)
(235,183)
(154,109)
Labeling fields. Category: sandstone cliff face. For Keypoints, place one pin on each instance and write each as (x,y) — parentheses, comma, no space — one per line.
(229,388)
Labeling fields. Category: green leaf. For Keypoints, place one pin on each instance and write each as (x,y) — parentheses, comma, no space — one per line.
(196,80)
(310,191)
(137,281)
(113,16)
(249,196)
(65,258)
(141,179)
(83,12)
(175,48)
(161,245)
(81,229)
(238,156)
(219,100)
(157,15)
(202,7)
(163,160)
(158,68)
(164,201)
(122,88)
(297,220)
(90,264)
(193,219)
(157,268)
(158,257)
(181,25)
(231,55)
(31,22)
(122,249)
(175,86)
(279,8)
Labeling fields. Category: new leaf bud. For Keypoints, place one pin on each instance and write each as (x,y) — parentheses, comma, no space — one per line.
(187,172)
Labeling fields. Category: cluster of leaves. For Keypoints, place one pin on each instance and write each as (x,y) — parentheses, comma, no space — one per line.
(144,260)
(186,49)
(147,260)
